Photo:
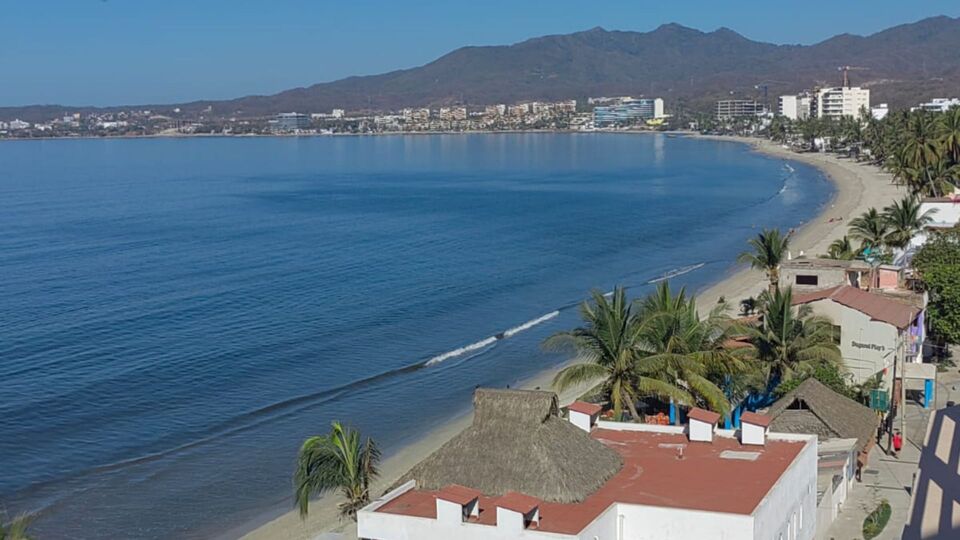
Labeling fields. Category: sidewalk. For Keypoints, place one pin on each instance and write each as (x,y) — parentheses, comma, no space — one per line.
(886,477)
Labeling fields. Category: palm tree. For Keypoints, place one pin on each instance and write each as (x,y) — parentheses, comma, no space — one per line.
(950,133)
(678,347)
(607,346)
(17,528)
(336,461)
(769,250)
(870,228)
(922,148)
(842,249)
(904,173)
(904,220)
(792,339)
(940,178)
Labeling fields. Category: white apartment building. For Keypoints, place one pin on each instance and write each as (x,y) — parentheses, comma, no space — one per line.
(495,110)
(938,105)
(521,471)
(794,107)
(842,101)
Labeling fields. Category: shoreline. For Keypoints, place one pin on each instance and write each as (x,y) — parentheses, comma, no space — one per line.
(857,187)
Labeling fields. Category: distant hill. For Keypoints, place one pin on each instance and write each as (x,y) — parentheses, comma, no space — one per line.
(903,64)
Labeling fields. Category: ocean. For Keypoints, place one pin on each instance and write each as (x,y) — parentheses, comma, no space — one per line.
(179,314)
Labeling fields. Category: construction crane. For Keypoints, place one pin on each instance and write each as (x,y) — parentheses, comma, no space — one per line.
(846,73)
(765,85)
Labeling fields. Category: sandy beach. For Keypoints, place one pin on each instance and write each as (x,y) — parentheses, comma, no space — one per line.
(858,188)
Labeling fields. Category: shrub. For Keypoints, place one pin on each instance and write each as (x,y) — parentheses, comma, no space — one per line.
(876,521)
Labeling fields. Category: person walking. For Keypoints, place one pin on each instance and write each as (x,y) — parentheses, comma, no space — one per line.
(897,444)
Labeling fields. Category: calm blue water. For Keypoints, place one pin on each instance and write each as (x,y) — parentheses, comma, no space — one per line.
(179,314)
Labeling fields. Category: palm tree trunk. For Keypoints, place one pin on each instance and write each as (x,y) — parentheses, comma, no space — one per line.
(631,407)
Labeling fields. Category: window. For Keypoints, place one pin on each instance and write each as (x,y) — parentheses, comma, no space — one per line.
(806,280)
(837,333)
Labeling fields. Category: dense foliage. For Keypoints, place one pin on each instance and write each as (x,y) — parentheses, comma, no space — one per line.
(792,340)
(658,346)
(828,373)
(938,265)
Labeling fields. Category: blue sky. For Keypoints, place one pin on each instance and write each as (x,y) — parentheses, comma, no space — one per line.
(101,52)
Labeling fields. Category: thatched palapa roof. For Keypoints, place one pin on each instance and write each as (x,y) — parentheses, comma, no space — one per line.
(814,408)
(518,442)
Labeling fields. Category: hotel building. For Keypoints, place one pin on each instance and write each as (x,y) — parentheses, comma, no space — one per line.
(794,107)
(628,111)
(842,101)
(738,108)
(521,471)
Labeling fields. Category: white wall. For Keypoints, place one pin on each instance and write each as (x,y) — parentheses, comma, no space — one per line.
(859,334)
(638,522)
(796,489)
(582,421)
(381,526)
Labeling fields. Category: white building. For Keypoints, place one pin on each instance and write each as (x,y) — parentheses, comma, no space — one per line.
(879,112)
(945,214)
(875,330)
(738,108)
(18,124)
(794,107)
(495,110)
(842,101)
(337,113)
(938,105)
(522,472)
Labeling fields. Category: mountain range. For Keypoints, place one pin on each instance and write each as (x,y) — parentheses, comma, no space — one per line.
(901,65)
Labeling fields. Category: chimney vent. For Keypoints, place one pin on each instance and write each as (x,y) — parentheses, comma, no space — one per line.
(702,424)
(456,504)
(584,415)
(753,428)
(516,512)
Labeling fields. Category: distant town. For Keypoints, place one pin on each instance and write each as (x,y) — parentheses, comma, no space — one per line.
(741,116)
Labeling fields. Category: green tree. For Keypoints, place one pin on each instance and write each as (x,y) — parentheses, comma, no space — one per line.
(679,347)
(606,348)
(949,132)
(17,528)
(842,249)
(340,461)
(870,228)
(828,373)
(769,251)
(938,265)
(904,220)
(791,340)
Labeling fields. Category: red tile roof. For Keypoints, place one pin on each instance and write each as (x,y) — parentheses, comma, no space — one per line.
(703,415)
(651,475)
(518,502)
(458,494)
(585,408)
(756,419)
(875,306)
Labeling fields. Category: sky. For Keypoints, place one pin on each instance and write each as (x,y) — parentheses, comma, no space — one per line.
(118,52)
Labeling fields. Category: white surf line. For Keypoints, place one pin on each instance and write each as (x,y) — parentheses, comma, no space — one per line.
(491,340)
